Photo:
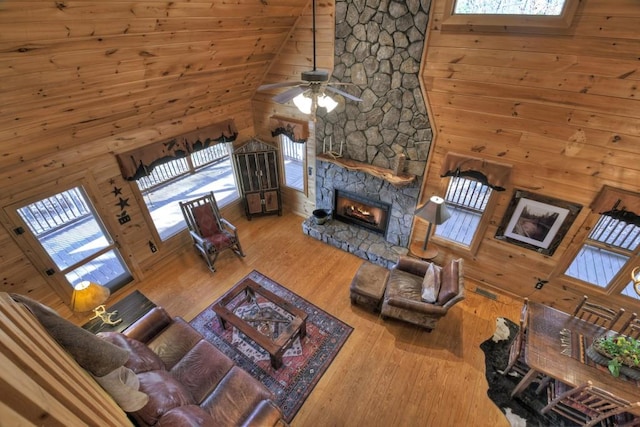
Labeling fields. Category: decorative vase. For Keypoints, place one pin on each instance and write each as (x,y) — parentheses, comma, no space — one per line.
(602,359)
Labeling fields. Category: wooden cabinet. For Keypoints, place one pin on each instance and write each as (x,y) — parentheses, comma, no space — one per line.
(257,166)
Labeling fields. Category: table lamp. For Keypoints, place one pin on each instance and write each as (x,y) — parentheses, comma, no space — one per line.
(435,212)
(89,296)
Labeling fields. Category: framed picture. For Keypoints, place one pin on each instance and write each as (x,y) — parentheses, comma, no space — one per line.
(537,222)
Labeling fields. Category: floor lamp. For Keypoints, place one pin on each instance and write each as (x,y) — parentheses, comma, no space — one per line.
(434,212)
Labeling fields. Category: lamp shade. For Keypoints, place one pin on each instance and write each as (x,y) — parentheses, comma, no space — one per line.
(88,295)
(435,211)
(303,103)
(327,102)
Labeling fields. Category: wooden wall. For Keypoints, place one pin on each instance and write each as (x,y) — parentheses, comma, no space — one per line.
(560,107)
(295,57)
(82,81)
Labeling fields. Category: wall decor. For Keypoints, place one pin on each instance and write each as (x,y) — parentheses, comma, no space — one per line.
(536,222)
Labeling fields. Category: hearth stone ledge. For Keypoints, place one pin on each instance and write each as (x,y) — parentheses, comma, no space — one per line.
(365,244)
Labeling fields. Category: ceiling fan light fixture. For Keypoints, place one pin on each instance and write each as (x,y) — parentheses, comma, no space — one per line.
(327,102)
(303,103)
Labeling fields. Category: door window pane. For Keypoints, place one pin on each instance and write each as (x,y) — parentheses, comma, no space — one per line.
(293,161)
(71,233)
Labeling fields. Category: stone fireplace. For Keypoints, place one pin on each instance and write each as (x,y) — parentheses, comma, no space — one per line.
(378,48)
(382,248)
(352,208)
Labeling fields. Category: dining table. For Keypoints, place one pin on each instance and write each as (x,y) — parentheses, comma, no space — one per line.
(550,336)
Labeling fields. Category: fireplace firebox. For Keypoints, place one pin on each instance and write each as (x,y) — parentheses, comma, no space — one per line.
(355,209)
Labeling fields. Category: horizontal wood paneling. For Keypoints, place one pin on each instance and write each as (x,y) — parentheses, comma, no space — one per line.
(561,107)
(81,81)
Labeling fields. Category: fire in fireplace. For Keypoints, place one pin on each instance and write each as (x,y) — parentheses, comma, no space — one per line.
(355,209)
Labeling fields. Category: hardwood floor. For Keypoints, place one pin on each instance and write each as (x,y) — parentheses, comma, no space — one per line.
(388,373)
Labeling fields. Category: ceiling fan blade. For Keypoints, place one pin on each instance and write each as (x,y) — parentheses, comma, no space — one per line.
(279,85)
(288,95)
(345,94)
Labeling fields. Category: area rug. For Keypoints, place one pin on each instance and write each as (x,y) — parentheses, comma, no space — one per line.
(303,364)
(523,410)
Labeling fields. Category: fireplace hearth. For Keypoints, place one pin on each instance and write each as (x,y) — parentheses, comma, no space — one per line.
(355,209)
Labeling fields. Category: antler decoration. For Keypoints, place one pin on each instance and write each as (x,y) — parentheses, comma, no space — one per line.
(101,313)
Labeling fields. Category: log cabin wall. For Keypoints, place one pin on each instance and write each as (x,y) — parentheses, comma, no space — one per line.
(561,107)
(295,57)
(84,81)
(81,82)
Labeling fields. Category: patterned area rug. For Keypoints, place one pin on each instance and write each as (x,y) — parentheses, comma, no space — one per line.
(303,364)
(523,410)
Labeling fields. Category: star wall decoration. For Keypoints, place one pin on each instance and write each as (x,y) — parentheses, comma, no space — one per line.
(116,191)
(122,203)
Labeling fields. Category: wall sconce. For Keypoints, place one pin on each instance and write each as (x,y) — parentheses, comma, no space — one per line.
(88,296)
(635,277)
(435,212)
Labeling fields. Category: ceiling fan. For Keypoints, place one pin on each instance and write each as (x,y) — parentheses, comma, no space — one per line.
(310,92)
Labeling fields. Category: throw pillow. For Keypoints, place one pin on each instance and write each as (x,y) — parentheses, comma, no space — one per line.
(96,355)
(122,385)
(431,284)
(141,357)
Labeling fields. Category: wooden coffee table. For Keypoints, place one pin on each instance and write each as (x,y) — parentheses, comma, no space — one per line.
(273,333)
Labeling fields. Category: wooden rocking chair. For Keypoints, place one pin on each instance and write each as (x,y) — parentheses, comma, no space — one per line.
(210,232)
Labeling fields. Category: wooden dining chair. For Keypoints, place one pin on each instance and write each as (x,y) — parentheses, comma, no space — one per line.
(588,405)
(516,351)
(632,327)
(597,314)
(517,363)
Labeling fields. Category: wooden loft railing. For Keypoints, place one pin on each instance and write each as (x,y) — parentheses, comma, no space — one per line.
(40,382)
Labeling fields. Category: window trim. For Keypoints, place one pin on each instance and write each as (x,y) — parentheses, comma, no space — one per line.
(481,230)
(283,177)
(139,195)
(616,285)
(506,23)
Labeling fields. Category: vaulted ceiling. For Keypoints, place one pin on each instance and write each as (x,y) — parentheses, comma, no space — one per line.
(75,72)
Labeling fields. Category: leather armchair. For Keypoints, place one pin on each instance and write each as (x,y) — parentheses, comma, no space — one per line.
(403,297)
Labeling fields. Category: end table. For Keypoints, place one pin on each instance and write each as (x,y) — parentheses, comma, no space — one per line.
(130,308)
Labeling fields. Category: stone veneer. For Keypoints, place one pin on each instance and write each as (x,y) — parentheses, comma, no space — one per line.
(378,47)
(402,199)
(355,240)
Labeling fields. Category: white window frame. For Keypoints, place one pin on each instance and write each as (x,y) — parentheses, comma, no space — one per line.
(508,22)
(483,222)
(621,282)
(283,142)
(196,163)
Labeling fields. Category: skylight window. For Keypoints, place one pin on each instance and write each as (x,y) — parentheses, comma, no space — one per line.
(541,16)
(509,7)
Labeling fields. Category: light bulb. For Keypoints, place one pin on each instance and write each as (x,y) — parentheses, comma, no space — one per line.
(327,102)
(303,103)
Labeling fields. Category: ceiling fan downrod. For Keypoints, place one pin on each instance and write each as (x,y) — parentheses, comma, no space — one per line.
(314,75)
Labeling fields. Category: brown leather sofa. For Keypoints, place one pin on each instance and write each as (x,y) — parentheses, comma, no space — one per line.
(403,297)
(189,381)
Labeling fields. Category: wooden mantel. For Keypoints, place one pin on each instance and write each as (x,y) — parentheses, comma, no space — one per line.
(399,180)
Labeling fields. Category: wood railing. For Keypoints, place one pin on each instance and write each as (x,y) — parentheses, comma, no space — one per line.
(40,383)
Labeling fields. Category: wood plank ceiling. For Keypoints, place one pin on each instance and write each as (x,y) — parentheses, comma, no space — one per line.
(75,72)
